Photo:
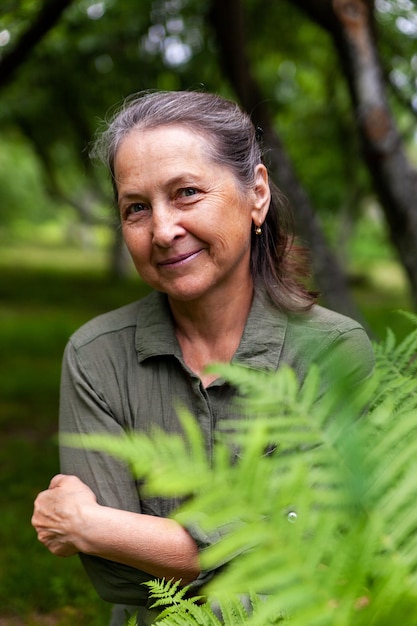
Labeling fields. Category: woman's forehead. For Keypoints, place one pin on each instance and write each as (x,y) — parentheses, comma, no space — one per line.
(162,154)
(175,139)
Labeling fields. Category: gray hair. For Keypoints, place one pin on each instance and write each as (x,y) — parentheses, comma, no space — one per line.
(233,142)
(231,135)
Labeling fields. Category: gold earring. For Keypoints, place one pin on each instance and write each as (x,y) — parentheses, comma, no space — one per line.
(258,230)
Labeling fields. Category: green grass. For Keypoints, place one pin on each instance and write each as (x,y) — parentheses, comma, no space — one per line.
(44,296)
(42,301)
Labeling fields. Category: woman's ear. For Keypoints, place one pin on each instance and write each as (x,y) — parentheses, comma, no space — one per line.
(262,195)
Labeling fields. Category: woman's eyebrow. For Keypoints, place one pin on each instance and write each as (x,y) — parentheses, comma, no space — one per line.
(130,195)
(183,178)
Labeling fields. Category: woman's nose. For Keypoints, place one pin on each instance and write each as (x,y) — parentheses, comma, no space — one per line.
(165,226)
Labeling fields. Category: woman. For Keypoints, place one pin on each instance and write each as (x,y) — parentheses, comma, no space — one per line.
(205,229)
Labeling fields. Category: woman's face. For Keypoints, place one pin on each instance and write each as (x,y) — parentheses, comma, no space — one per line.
(185,220)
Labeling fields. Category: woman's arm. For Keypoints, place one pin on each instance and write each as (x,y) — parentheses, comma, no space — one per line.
(69,520)
(90,391)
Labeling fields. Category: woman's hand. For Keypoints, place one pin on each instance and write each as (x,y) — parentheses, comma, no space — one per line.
(59,513)
(68,520)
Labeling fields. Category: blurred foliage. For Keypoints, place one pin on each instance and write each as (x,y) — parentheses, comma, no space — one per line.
(45,294)
(21,181)
(100,52)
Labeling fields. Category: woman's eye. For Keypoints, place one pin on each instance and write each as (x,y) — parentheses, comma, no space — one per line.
(187,192)
(135,208)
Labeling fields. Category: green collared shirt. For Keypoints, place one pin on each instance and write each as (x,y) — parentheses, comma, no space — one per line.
(124,371)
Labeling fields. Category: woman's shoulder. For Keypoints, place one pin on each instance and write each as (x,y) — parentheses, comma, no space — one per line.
(320,319)
(329,337)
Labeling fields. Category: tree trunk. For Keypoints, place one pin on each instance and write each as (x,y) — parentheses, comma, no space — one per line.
(227,19)
(120,261)
(351,25)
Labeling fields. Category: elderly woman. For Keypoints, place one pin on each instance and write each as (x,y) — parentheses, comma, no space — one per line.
(205,229)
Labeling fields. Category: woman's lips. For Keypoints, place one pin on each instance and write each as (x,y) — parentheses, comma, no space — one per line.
(180,259)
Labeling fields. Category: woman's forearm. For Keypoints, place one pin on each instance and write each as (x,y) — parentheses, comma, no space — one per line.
(158,546)
(68,520)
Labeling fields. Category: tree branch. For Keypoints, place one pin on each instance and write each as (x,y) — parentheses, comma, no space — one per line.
(352,26)
(47,18)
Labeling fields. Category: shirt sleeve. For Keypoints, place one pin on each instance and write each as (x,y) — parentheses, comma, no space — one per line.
(83,411)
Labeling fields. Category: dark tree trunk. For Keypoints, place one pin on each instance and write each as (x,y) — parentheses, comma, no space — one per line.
(48,16)
(227,18)
(351,25)
(120,261)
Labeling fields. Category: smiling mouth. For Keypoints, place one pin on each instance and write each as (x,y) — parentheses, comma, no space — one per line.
(179,260)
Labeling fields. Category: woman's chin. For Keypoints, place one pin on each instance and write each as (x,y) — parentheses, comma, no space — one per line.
(188,292)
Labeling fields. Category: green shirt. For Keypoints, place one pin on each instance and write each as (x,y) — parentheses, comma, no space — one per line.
(124,371)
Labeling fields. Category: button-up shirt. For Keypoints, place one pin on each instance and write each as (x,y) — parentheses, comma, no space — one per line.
(124,371)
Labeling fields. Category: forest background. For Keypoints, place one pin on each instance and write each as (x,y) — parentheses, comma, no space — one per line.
(332,83)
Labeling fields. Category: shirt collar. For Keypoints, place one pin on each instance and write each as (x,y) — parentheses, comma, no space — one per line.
(155,334)
(263,336)
(260,346)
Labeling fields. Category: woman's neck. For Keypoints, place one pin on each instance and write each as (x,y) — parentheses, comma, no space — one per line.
(209,330)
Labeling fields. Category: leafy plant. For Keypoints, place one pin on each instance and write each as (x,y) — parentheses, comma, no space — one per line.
(313,497)
(185,611)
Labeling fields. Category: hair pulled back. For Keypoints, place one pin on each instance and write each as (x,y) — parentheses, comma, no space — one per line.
(276,264)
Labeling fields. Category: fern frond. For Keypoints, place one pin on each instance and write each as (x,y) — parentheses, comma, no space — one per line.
(309,500)
(228,610)
(132,620)
(412,317)
(166,592)
(188,612)
(180,610)
(397,362)
(233,610)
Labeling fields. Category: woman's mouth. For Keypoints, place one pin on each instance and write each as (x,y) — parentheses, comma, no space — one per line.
(180,259)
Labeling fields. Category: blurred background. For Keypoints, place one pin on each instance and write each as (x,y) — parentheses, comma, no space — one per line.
(332,83)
